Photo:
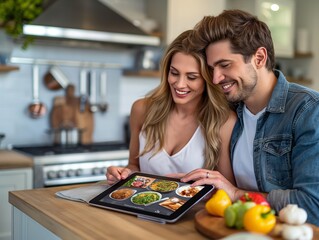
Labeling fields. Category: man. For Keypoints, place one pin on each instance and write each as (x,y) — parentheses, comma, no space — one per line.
(275,142)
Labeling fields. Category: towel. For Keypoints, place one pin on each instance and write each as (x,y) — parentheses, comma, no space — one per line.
(83,194)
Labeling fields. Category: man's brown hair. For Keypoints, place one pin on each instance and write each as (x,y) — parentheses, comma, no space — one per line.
(245,32)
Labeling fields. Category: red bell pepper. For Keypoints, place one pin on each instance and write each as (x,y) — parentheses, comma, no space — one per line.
(257,198)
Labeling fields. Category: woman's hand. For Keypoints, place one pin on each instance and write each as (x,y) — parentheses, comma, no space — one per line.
(210,177)
(114,174)
(176,175)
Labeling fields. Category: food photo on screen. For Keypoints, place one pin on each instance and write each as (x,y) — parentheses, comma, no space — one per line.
(139,182)
(188,191)
(152,194)
(163,186)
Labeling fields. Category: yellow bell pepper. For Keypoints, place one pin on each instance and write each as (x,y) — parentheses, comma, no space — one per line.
(259,219)
(217,204)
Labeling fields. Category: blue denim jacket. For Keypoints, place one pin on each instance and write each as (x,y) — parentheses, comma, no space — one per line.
(286,147)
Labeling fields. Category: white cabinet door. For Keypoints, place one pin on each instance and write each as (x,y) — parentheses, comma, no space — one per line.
(10,180)
(279,16)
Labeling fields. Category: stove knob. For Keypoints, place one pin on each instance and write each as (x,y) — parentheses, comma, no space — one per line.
(96,171)
(103,170)
(79,172)
(70,173)
(51,174)
(61,174)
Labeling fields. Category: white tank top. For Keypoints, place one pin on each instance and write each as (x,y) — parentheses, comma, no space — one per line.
(190,157)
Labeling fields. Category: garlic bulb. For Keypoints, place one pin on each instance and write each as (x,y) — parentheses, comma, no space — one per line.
(300,232)
(292,214)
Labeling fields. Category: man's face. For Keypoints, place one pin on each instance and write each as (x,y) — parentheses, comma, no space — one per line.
(236,78)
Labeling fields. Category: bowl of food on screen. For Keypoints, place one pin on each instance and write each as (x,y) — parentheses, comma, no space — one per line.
(140,182)
(122,194)
(163,186)
(188,191)
(145,198)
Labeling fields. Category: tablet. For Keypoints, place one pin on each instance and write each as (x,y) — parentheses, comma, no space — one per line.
(151,197)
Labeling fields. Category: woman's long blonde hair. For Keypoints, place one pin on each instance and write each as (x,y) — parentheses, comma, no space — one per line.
(213,110)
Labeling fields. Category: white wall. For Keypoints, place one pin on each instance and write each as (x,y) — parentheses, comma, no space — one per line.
(133,88)
(182,14)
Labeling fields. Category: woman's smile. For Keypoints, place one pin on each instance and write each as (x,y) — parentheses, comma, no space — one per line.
(181,93)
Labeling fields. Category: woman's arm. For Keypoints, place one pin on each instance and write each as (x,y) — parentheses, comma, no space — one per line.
(224,164)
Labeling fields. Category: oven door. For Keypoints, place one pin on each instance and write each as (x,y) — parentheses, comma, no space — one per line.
(73,173)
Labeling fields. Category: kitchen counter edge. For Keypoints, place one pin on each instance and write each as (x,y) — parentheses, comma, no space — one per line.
(12,160)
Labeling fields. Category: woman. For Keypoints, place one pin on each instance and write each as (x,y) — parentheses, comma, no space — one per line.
(183,124)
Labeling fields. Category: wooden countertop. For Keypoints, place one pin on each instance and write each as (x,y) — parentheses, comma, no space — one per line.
(11,159)
(75,220)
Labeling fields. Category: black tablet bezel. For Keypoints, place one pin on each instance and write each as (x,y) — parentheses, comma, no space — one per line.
(175,215)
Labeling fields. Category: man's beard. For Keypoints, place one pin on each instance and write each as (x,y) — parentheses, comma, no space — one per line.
(244,90)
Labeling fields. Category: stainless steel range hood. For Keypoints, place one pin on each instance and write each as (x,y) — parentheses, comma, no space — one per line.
(88,20)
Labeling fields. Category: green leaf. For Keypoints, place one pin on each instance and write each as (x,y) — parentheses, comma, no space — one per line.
(15,13)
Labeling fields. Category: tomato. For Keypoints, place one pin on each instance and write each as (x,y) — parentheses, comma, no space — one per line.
(217,204)
(259,219)
(257,198)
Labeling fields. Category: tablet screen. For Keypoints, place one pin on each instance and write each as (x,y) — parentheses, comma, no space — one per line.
(152,197)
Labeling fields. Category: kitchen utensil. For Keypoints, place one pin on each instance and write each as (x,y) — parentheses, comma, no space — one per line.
(36,109)
(66,114)
(103,106)
(83,90)
(55,79)
(148,58)
(92,90)
(64,110)
(66,136)
(2,136)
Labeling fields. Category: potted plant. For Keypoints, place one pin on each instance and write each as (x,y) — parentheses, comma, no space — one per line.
(15,13)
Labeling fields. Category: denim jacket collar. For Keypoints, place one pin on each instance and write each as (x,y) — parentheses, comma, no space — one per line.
(278,98)
(279,95)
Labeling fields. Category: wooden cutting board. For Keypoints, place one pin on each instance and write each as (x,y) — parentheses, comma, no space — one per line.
(66,113)
(215,228)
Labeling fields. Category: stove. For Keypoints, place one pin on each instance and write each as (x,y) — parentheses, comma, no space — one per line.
(55,165)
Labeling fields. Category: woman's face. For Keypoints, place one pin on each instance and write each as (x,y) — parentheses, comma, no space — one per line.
(186,83)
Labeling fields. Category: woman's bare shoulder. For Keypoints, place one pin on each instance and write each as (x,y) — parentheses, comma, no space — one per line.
(232,117)
(230,123)
(139,107)
(138,112)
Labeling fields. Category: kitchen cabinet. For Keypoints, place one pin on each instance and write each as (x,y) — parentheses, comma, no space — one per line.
(176,16)
(279,15)
(296,68)
(142,73)
(11,179)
